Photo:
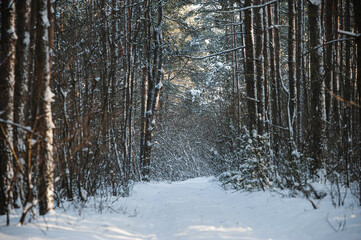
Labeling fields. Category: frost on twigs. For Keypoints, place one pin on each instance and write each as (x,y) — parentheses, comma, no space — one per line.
(253,170)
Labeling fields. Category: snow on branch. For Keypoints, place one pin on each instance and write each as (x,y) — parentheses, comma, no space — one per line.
(247,8)
(329,42)
(159,85)
(315,2)
(276,126)
(355,35)
(22,127)
(215,54)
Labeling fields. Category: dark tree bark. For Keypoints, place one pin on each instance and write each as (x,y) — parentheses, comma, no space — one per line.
(144,164)
(291,68)
(21,95)
(332,103)
(7,82)
(266,69)
(328,56)
(31,104)
(357,14)
(249,71)
(259,31)
(154,71)
(346,120)
(300,68)
(277,46)
(273,83)
(235,96)
(318,140)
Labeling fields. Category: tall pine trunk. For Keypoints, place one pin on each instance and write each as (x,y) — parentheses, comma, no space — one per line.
(21,89)
(259,66)
(357,11)
(249,71)
(291,68)
(300,71)
(7,83)
(273,83)
(318,140)
(153,78)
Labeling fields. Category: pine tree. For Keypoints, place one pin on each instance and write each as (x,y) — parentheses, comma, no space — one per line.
(7,83)
(249,71)
(318,146)
(21,95)
(260,78)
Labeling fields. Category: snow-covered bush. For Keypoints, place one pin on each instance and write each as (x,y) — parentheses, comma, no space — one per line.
(252,162)
(183,149)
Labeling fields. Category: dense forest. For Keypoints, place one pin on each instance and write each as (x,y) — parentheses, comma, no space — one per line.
(98,94)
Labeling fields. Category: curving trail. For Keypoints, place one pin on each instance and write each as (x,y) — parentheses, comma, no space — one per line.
(194,209)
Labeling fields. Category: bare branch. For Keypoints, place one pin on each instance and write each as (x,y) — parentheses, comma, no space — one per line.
(9,55)
(355,35)
(215,54)
(329,42)
(247,8)
(276,126)
(22,127)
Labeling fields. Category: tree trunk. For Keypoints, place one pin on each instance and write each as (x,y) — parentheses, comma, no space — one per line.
(144,165)
(44,114)
(291,68)
(346,125)
(273,83)
(249,71)
(266,68)
(21,88)
(300,70)
(154,75)
(7,82)
(328,57)
(357,11)
(318,140)
(259,66)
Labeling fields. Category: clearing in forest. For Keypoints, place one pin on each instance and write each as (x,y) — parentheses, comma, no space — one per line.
(194,209)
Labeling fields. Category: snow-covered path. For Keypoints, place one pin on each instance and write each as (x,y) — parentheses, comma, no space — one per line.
(194,209)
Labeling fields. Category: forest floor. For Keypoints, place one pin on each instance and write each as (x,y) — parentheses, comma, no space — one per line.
(193,209)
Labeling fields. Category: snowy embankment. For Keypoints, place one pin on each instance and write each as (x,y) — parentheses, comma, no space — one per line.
(194,209)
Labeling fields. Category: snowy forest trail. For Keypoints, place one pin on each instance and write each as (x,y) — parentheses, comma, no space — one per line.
(193,209)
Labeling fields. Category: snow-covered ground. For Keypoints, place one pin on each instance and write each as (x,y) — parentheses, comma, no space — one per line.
(194,209)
